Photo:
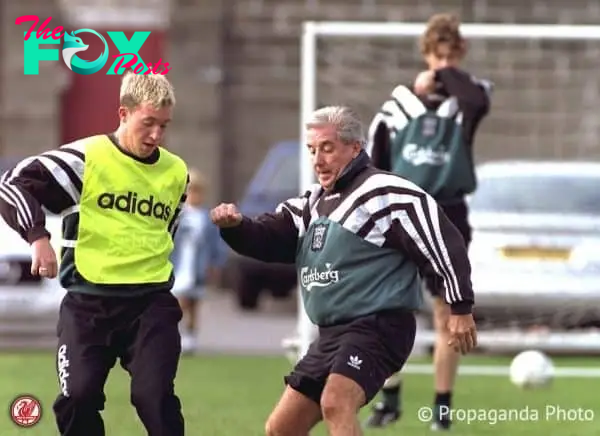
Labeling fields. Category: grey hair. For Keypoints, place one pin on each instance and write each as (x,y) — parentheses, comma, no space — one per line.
(346,121)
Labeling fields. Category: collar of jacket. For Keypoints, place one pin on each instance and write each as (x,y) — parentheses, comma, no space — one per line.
(353,169)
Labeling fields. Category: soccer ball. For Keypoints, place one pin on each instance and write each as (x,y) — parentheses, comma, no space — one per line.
(531,369)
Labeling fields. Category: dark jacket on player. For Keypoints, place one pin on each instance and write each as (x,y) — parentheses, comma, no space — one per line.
(360,248)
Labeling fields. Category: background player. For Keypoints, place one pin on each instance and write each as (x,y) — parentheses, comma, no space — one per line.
(120,196)
(425,133)
(198,258)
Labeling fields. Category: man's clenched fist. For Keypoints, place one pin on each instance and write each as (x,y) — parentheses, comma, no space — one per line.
(425,83)
(226,215)
(43,259)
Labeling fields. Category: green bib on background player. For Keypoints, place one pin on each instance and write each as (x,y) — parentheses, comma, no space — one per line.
(125,210)
(427,146)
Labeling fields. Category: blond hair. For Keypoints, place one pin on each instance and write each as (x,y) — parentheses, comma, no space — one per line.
(443,29)
(137,89)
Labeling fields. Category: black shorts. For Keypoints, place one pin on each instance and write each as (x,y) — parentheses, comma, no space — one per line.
(458,214)
(367,350)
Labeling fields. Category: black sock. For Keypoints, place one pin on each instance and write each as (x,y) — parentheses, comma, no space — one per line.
(391,397)
(443,402)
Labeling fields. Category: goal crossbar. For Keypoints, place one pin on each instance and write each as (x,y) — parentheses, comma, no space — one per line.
(511,31)
(312,30)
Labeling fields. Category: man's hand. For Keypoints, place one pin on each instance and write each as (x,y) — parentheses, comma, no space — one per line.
(43,259)
(226,215)
(463,333)
(425,83)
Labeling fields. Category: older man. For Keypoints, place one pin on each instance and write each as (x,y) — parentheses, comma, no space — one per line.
(361,239)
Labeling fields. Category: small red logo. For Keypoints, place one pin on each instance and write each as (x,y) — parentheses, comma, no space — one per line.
(26,411)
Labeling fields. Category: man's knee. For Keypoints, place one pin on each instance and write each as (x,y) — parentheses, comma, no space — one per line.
(275,427)
(86,393)
(294,415)
(151,397)
(342,396)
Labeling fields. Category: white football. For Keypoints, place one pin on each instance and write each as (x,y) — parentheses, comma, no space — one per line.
(531,369)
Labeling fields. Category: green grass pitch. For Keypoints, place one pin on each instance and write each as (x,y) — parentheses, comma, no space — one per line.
(232,396)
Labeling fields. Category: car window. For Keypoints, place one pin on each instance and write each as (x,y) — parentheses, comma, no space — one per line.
(538,194)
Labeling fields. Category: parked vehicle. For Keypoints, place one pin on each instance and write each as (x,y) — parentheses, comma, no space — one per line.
(536,244)
(276,180)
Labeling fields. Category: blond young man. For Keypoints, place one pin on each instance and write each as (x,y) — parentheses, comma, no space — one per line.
(119,195)
(425,133)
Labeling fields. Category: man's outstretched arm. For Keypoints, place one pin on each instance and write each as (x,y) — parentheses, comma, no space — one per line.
(270,237)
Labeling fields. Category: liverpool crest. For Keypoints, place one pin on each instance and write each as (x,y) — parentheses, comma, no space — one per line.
(318,237)
(429,126)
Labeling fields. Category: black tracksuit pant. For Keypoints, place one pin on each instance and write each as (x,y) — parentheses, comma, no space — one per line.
(95,331)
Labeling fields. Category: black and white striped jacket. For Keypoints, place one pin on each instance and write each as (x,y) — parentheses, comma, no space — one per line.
(382,208)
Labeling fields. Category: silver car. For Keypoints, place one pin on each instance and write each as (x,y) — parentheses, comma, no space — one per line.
(536,244)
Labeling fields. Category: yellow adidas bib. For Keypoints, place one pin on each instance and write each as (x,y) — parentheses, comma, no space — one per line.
(126,208)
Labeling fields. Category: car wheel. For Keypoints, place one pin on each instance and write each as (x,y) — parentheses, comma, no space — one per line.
(248,295)
(283,283)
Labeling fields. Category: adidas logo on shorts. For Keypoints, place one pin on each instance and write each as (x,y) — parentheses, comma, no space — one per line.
(354,362)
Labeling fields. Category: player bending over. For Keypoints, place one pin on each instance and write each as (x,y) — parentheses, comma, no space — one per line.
(119,195)
(425,134)
(358,239)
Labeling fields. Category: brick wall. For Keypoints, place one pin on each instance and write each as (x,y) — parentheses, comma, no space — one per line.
(30,105)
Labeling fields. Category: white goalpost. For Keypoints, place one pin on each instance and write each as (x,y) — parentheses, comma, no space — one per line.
(358,63)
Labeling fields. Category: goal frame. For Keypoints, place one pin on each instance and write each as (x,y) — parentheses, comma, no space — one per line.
(311,32)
